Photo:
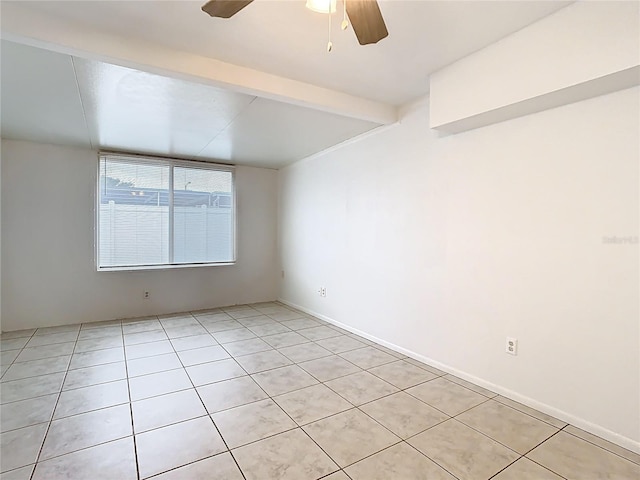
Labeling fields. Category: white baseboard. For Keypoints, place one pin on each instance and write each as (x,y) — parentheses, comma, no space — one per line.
(578,422)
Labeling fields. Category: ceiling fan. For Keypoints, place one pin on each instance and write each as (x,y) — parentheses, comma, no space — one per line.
(364,15)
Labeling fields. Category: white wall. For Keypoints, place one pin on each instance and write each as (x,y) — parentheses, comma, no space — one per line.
(445,245)
(48,265)
(581,51)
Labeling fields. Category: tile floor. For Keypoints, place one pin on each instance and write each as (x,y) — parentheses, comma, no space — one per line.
(264,392)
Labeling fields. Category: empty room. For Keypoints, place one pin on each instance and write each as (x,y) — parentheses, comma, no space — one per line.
(320,239)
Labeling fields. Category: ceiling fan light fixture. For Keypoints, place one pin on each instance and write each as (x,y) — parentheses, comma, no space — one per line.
(322,6)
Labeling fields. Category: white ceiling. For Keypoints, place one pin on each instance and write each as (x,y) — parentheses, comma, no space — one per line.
(257,89)
(284,38)
(50,97)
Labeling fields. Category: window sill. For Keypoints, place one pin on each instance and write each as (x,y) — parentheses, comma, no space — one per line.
(137,268)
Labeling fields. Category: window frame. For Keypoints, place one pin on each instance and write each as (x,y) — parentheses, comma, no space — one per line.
(171,163)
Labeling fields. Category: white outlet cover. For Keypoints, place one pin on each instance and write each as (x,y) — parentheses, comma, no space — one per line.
(511,346)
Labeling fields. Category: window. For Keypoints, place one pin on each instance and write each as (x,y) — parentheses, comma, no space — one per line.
(156,213)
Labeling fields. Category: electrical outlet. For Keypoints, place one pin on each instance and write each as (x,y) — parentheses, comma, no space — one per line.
(512,346)
(146,294)
(322,292)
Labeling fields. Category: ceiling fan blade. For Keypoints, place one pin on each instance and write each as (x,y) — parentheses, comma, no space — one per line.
(367,21)
(224,8)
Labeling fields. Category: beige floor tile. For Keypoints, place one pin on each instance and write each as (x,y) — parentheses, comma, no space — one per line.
(98,344)
(301,323)
(141,326)
(101,332)
(255,321)
(612,447)
(148,349)
(158,363)
(577,459)
(402,374)
(97,357)
(269,329)
(85,377)
(312,403)
(530,411)
(304,352)
(219,467)
(471,386)
(202,355)
(230,393)
(206,373)
(399,462)
(179,321)
(214,317)
(237,357)
(234,335)
(390,351)
(284,379)
(86,430)
(319,332)
(45,351)
(424,366)
(231,308)
(269,309)
(31,387)
(287,339)
(447,396)
(20,447)
(337,476)
(368,357)
(261,361)
(17,334)
(214,327)
(403,414)
(101,324)
(194,341)
(23,473)
(246,347)
(85,399)
(144,337)
(361,387)
(187,331)
(525,469)
(166,409)
(244,313)
(363,340)
(255,421)
(283,316)
(27,412)
(103,462)
(344,331)
(328,368)
(177,445)
(57,329)
(465,453)
(38,340)
(340,344)
(516,430)
(35,368)
(7,358)
(158,384)
(350,436)
(288,456)
(13,343)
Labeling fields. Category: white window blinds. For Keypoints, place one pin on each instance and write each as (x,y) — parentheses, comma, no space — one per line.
(157,212)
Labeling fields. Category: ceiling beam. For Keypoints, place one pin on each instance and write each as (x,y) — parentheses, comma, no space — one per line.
(26,25)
